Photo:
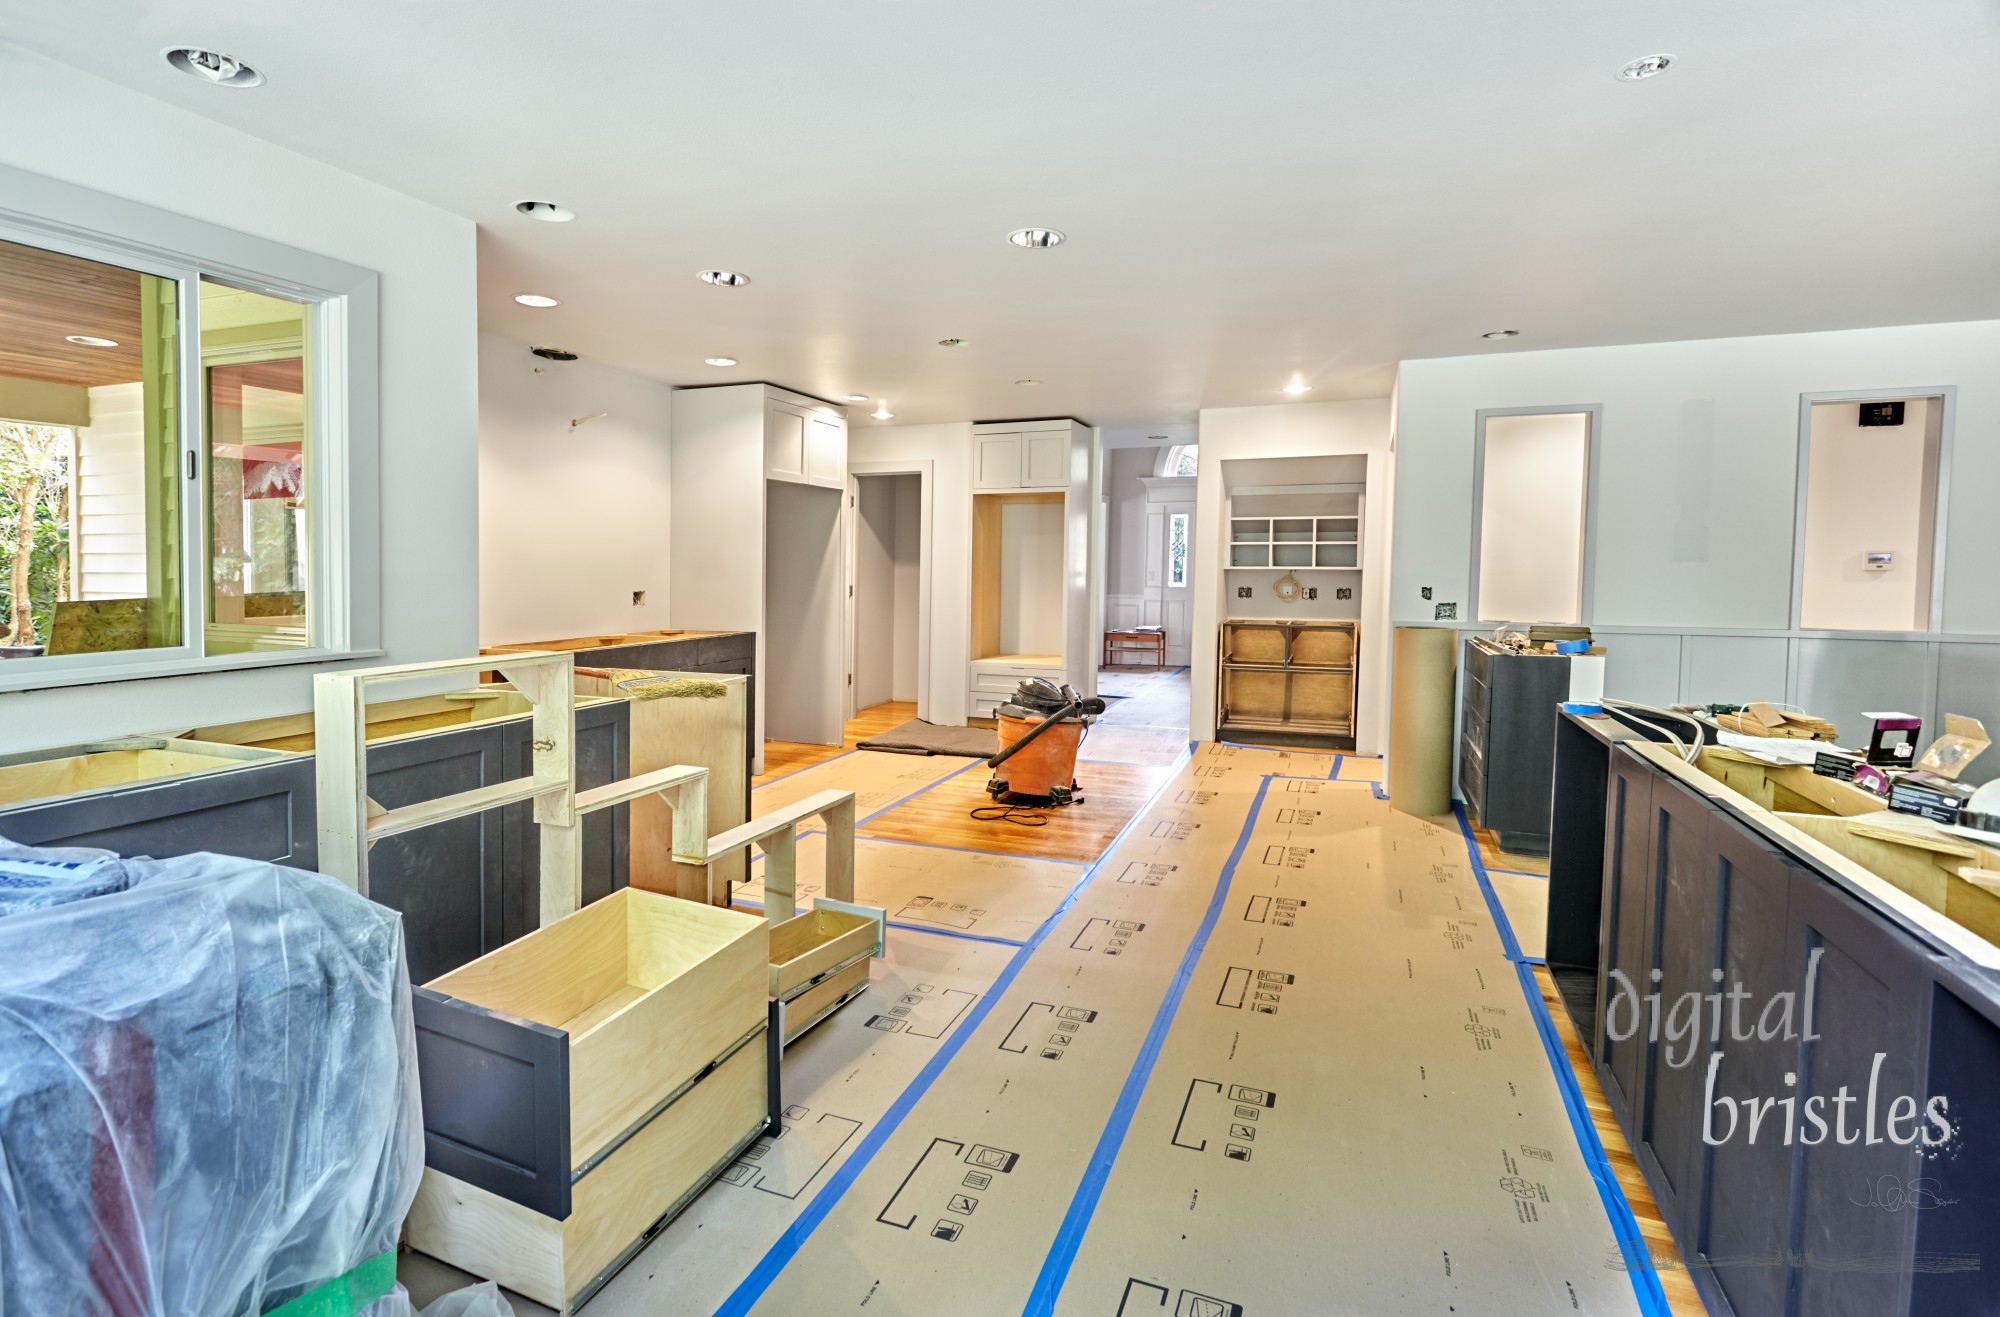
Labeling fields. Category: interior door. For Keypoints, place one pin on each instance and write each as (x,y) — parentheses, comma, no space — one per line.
(1170,575)
(850,514)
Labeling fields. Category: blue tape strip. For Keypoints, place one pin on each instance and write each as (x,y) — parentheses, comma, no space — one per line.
(1633,1249)
(1069,1236)
(780,1254)
(1520,873)
(1338,760)
(970,765)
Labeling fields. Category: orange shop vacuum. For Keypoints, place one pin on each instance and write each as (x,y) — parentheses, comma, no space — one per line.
(1041,728)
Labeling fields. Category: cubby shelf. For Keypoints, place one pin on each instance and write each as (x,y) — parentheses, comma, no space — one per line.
(1291,676)
(1300,544)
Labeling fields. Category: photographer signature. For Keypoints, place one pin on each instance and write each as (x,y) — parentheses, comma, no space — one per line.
(1891,1194)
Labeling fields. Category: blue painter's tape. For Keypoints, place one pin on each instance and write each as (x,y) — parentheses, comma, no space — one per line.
(1069,1236)
(780,1254)
(1632,1247)
(972,764)
(1338,760)
(1520,873)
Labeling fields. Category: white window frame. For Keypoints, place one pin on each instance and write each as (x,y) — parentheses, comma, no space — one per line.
(1188,539)
(344,573)
(1586,603)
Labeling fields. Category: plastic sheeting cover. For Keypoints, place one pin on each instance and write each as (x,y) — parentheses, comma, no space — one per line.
(208,1092)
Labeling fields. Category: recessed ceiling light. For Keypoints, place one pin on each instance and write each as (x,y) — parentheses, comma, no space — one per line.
(90,341)
(535,299)
(1297,387)
(1651,66)
(1027,384)
(724,278)
(854,397)
(554,354)
(545,210)
(720,361)
(1033,238)
(213,67)
(954,342)
(1501,333)
(882,413)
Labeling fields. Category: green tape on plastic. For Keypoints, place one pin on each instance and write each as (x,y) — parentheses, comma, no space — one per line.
(346,1294)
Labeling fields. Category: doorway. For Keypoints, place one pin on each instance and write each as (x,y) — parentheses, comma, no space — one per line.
(887,589)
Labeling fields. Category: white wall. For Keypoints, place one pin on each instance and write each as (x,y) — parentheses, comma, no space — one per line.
(1696,484)
(948,518)
(1125,544)
(84,131)
(109,489)
(1697,465)
(907,556)
(1314,429)
(1534,486)
(1866,491)
(1031,578)
(570,522)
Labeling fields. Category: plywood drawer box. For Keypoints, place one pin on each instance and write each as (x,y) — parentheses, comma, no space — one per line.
(552,1066)
(820,960)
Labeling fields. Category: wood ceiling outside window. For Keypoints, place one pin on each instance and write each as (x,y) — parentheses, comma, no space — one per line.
(47,296)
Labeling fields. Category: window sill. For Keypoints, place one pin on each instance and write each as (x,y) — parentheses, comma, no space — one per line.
(29,682)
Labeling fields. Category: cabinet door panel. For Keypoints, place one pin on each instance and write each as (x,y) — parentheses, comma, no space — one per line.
(1964,1070)
(1684,942)
(445,879)
(996,461)
(1870,999)
(784,444)
(1628,898)
(1748,1191)
(1045,460)
(826,452)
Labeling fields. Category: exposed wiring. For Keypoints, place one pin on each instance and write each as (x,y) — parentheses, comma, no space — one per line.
(1018,814)
(1688,752)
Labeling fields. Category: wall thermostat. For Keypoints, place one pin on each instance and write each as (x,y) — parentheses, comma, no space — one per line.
(1878,560)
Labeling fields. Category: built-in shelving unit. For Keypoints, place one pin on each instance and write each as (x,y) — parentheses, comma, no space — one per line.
(1292,676)
(1298,543)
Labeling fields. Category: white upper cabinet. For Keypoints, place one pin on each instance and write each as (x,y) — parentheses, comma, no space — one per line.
(804,445)
(996,461)
(1025,455)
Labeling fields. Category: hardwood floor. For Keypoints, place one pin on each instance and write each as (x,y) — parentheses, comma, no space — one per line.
(785,756)
(1113,793)
(1682,1299)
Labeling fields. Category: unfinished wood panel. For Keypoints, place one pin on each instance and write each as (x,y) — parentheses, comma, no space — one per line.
(807,946)
(553,974)
(613,1206)
(990,569)
(1323,646)
(705,733)
(386,719)
(816,1003)
(1787,788)
(1325,698)
(108,768)
(1254,696)
(1244,642)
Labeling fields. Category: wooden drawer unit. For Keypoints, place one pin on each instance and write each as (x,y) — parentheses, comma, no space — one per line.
(819,961)
(581,1084)
(1289,676)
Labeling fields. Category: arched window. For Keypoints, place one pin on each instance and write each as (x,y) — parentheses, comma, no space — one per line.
(1182,460)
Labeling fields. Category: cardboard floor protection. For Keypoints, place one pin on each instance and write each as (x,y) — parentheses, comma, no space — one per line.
(936,887)
(877,779)
(1110,743)
(1269,1059)
(1524,899)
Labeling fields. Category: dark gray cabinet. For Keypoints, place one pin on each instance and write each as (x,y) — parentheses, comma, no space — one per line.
(1506,741)
(261,811)
(1782,1218)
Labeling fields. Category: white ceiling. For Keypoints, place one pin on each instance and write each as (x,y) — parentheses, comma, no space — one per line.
(1251,189)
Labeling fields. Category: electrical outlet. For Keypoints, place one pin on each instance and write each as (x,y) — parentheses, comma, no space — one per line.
(1312,592)
(1344,592)
(1447,613)
(1427,592)
(638,598)
(1243,592)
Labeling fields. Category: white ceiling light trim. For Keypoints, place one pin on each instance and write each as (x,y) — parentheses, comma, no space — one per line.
(854,397)
(724,278)
(1647,66)
(536,300)
(547,211)
(213,67)
(719,361)
(1038,239)
(1501,333)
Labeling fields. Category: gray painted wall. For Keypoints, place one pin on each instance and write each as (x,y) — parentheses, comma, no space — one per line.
(1694,535)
